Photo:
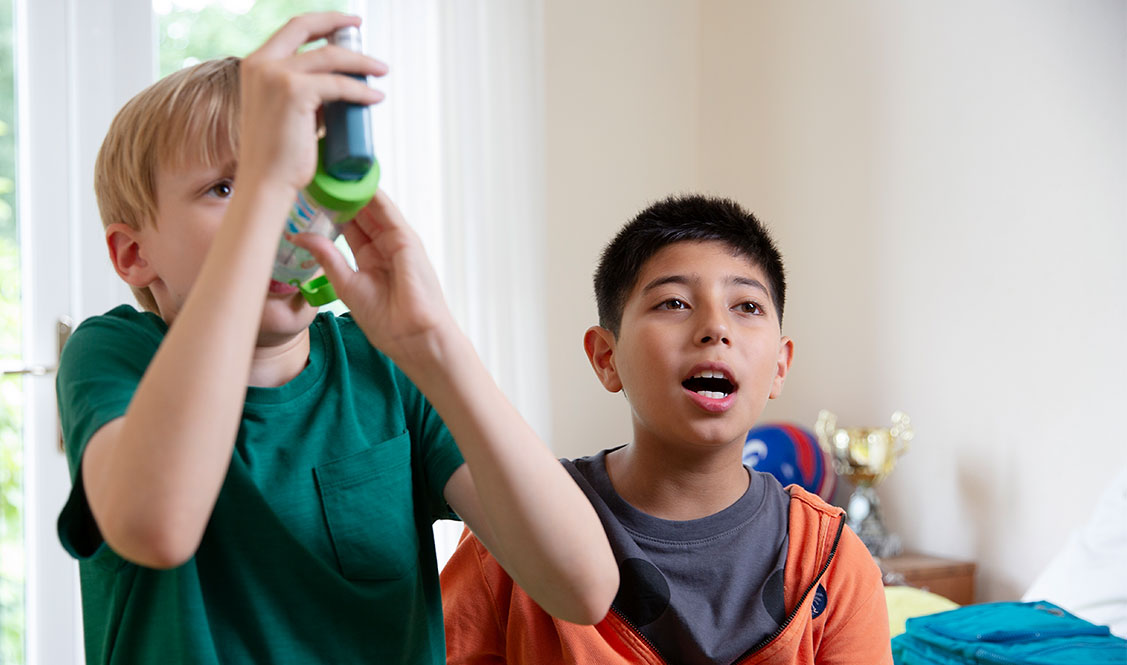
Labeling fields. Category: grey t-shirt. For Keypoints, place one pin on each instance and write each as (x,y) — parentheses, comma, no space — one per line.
(701,591)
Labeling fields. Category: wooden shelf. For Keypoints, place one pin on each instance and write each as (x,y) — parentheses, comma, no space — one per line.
(949,578)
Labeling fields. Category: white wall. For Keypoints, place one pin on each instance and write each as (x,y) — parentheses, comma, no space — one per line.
(621,130)
(948,182)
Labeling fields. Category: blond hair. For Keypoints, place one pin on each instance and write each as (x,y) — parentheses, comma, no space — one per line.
(188,117)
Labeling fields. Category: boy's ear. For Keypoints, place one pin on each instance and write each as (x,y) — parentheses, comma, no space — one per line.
(125,253)
(598,342)
(782,366)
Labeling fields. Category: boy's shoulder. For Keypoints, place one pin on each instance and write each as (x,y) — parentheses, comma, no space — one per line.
(812,502)
(121,333)
(125,317)
(818,532)
(819,536)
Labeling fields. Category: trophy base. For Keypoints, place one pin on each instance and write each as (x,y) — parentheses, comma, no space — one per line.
(863,516)
(883,547)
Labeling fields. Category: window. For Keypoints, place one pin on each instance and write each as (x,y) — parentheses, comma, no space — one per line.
(190,31)
(12,568)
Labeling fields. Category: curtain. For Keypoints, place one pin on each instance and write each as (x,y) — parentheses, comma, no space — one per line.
(460,138)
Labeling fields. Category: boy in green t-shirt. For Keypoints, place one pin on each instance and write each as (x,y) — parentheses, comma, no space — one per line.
(253,481)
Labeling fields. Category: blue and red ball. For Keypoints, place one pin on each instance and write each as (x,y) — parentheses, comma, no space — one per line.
(792,455)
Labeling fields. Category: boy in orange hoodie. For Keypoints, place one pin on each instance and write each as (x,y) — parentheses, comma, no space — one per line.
(718,563)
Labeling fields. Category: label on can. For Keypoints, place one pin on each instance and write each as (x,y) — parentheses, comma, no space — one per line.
(292,264)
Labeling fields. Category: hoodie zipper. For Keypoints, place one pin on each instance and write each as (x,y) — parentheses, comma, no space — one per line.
(793,613)
(638,632)
(778,631)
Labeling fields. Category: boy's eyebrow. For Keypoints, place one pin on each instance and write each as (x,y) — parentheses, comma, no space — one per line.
(665,279)
(228,167)
(208,174)
(753,283)
(683,279)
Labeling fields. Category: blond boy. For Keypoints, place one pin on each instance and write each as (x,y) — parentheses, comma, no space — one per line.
(254,482)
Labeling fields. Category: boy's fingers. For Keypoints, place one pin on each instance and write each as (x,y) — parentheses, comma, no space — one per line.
(331,87)
(355,237)
(332,58)
(387,208)
(303,29)
(326,254)
(381,214)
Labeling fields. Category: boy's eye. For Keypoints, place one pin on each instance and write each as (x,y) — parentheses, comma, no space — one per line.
(749,308)
(221,189)
(673,303)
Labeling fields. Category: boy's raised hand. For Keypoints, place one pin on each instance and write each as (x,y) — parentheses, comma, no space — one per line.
(512,491)
(394,293)
(282,89)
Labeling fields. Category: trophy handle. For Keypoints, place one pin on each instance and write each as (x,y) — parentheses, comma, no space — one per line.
(901,431)
(825,428)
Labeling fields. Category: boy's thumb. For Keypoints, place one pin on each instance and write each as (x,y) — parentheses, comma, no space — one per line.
(326,254)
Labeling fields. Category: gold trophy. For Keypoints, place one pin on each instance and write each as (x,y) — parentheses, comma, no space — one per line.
(864,456)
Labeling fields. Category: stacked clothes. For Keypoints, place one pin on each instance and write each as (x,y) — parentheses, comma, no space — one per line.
(1036,633)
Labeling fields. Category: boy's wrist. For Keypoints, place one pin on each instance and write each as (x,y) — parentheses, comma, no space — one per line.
(433,355)
(261,202)
(256,187)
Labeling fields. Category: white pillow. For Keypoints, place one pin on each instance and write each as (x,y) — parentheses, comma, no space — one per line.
(1089,576)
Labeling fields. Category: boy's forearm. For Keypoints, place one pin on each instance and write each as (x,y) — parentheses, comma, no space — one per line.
(153,483)
(538,523)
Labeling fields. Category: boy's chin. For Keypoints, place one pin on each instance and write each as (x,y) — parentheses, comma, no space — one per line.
(285,317)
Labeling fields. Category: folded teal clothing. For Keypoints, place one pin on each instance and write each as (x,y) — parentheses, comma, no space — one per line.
(1038,633)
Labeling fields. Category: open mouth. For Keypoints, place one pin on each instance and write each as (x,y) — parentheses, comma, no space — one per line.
(712,384)
(281,288)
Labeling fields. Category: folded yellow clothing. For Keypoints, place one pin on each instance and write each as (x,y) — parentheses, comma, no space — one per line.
(905,602)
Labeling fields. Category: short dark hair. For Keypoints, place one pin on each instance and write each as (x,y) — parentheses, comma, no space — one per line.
(676,219)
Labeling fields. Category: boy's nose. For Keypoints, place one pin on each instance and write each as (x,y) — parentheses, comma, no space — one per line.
(713,329)
(708,338)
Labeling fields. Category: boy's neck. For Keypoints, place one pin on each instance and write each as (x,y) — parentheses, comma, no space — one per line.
(275,365)
(674,486)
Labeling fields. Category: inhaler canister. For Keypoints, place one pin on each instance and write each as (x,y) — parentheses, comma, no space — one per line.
(346,179)
(347,150)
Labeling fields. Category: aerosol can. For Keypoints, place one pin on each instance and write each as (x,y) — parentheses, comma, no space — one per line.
(346,179)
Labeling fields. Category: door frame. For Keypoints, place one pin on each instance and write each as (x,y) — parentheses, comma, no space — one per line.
(77,62)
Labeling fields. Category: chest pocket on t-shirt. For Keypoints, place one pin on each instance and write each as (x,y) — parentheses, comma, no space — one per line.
(370,511)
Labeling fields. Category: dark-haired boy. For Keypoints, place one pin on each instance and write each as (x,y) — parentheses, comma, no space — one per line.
(718,563)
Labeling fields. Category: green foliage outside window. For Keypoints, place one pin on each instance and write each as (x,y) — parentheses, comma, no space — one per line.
(189,35)
(7,129)
(11,509)
(11,387)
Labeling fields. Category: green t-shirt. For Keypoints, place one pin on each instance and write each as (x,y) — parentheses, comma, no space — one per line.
(319,548)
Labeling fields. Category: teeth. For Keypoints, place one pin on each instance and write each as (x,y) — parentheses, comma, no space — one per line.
(709,374)
(712,394)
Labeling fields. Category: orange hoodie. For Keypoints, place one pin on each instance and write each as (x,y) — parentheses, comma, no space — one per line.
(489,619)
